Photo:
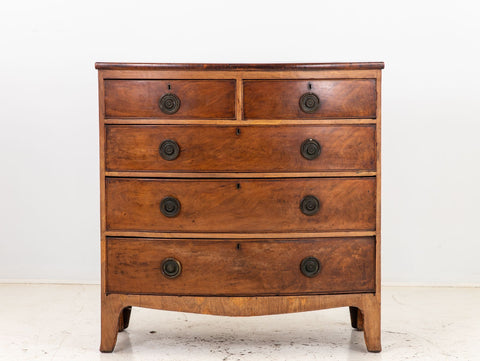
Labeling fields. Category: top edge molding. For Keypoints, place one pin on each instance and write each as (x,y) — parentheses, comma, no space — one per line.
(240,67)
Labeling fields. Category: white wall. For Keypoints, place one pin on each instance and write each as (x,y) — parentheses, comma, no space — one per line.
(49,198)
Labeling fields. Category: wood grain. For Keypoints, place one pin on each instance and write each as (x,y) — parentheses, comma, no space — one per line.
(372,324)
(240,268)
(244,306)
(236,307)
(210,99)
(243,74)
(379,187)
(103,213)
(239,99)
(240,149)
(249,205)
(218,214)
(279,99)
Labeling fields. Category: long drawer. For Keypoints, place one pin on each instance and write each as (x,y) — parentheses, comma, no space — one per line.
(247,205)
(198,148)
(248,267)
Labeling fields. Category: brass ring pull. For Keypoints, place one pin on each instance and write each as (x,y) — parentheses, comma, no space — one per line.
(169,150)
(310,149)
(170,206)
(310,205)
(309,103)
(171,268)
(169,103)
(310,266)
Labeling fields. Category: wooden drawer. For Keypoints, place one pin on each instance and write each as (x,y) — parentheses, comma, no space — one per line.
(247,267)
(198,99)
(248,205)
(338,98)
(240,149)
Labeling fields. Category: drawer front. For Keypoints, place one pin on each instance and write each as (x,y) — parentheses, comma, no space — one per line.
(335,98)
(247,267)
(240,149)
(247,205)
(172,99)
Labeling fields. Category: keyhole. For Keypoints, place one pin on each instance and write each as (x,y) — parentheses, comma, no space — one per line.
(237,132)
(238,245)
(309,86)
(238,185)
(169,87)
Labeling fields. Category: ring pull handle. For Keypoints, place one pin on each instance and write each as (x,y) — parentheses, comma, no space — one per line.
(170,207)
(171,268)
(310,266)
(310,205)
(169,103)
(310,149)
(309,103)
(169,150)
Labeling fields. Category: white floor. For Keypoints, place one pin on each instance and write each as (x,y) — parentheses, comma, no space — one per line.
(61,322)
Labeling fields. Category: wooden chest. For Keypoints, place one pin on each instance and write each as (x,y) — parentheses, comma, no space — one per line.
(240,190)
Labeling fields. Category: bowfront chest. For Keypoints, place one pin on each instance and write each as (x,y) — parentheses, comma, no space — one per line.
(240,190)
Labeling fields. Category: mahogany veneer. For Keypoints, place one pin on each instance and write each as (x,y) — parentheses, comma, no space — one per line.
(239,268)
(240,190)
(199,98)
(339,98)
(241,206)
(264,148)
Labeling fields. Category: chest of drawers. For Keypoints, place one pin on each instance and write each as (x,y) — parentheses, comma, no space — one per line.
(240,190)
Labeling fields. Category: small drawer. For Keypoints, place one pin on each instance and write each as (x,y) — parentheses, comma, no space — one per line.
(192,148)
(309,99)
(240,205)
(246,267)
(171,99)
